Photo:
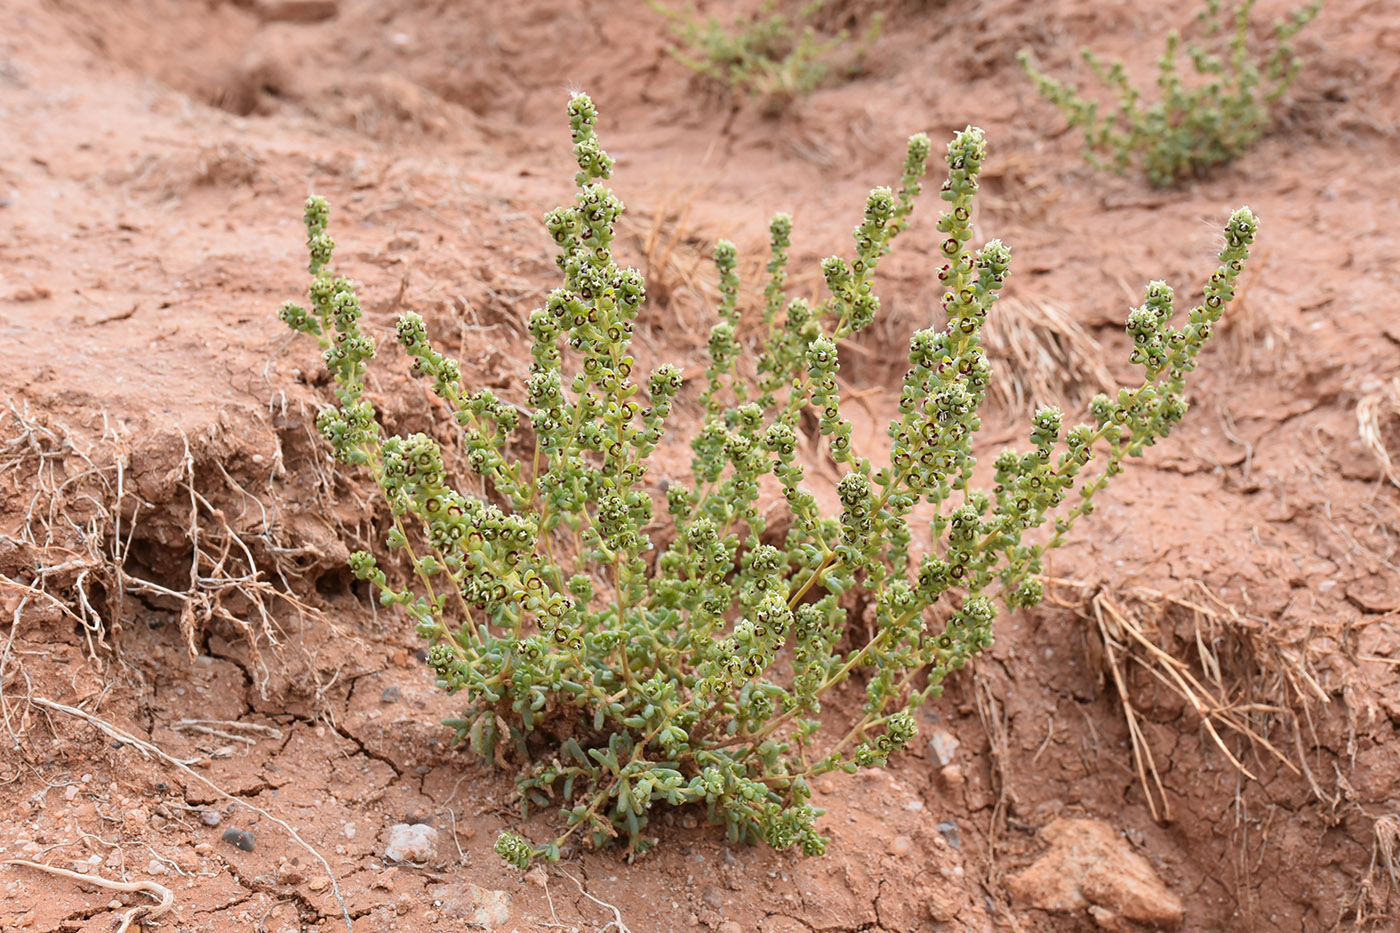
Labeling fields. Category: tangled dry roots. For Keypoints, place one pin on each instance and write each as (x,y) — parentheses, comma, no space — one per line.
(1243,678)
(82,543)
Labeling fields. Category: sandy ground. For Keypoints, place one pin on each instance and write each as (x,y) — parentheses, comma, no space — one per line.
(1197,729)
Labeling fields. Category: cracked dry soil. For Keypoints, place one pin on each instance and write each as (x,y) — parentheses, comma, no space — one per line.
(166,510)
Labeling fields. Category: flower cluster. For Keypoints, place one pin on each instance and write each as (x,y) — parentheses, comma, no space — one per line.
(1195,125)
(627,660)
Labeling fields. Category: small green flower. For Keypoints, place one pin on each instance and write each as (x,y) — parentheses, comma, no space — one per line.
(515,850)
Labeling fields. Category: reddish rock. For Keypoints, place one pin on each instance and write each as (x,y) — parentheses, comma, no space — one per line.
(1089,866)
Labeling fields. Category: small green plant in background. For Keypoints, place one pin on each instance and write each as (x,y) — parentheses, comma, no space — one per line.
(1196,124)
(623,660)
(768,56)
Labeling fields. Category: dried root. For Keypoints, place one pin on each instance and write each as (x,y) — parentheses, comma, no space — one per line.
(80,539)
(1379,891)
(138,914)
(153,752)
(1244,680)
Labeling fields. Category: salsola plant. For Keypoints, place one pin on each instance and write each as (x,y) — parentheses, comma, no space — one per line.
(770,56)
(1196,123)
(624,660)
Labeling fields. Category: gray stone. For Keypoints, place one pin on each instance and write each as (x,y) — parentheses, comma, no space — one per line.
(240,838)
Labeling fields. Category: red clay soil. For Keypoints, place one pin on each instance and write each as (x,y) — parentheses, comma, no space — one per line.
(173,535)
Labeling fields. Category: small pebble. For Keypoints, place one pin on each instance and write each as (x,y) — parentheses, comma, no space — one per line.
(211,817)
(943,747)
(240,838)
(390,695)
(901,845)
(949,831)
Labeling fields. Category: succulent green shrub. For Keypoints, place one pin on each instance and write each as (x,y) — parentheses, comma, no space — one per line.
(1194,125)
(624,660)
(767,56)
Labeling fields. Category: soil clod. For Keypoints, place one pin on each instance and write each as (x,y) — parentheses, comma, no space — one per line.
(1091,867)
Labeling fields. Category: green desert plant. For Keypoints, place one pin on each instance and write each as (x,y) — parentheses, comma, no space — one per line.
(767,56)
(624,661)
(1195,125)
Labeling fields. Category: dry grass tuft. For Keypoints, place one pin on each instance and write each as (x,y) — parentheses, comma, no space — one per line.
(1373,412)
(996,725)
(1256,341)
(1047,357)
(676,264)
(188,165)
